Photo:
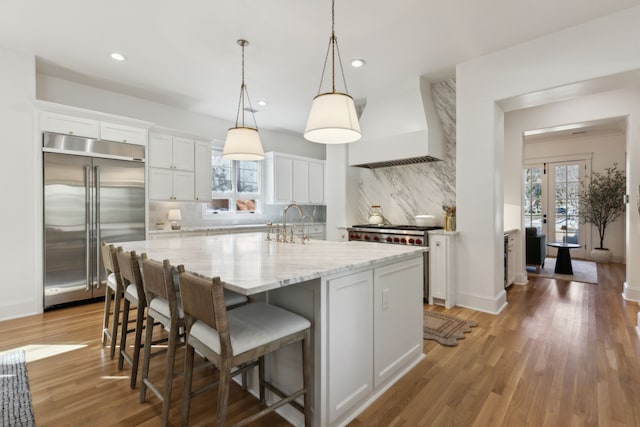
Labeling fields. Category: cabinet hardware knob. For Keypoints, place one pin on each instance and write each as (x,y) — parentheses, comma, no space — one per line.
(70,132)
(438,244)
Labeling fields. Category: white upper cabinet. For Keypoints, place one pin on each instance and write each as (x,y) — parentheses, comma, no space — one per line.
(203,170)
(171,167)
(293,179)
(90,128)
(300,181)
(122,133)
(69,125)
(183,154)
(316,182)
(171,152)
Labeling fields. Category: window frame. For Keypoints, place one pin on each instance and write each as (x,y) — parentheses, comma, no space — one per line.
(233,195)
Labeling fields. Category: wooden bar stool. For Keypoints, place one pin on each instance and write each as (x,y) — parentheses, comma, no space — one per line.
(114,291)
(239,338)
(165,308)
(133,296)
(161,290)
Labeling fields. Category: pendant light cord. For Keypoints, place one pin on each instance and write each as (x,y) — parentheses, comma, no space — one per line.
(333,46)
(244,92)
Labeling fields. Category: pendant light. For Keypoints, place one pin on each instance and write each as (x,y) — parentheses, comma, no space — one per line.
(333,118)
(243,142)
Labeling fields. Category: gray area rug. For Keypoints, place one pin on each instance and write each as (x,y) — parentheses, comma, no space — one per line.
(17,410)
(445,329)
(583,271)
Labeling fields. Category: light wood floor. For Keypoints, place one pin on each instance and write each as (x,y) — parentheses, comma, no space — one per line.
(561,354)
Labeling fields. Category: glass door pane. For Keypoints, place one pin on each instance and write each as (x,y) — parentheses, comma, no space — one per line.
(564,218)
(533,202)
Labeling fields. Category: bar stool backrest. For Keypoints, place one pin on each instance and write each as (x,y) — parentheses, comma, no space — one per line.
(158,282)
(130,272)
(203,299)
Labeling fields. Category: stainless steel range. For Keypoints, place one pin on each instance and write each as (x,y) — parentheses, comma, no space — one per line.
(409,235)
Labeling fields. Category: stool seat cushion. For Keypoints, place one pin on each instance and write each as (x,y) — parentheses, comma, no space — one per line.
(161,306)
(132,291)
(251,326)
(111,281)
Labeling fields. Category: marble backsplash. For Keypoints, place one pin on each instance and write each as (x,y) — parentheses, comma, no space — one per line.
(192,215)
(407,191)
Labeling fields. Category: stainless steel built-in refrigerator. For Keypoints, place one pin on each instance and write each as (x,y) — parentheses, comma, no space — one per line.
(93,191)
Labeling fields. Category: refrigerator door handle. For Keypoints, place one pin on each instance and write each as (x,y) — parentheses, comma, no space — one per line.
(87,225)
(97,223)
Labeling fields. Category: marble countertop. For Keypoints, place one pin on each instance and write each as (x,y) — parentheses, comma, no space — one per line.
(248,264)
(226,227)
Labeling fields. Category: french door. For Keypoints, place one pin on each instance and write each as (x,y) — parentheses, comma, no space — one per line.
(551,202)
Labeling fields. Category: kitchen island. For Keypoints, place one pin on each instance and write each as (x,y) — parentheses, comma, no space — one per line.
(364,301)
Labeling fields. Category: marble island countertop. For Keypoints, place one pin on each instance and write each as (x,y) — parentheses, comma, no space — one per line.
(248,264)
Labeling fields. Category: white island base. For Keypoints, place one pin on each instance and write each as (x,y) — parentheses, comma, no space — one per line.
(367,333)
(364,301)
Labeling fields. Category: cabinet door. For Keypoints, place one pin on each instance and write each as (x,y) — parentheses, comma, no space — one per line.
(437,267)
(160,151)
(203,170)
(183,185)
(350,341)
(316,182)
(397,307)
(282,175)
(160,184)
(69,125)
(300,181)
(122,133)
(183,154)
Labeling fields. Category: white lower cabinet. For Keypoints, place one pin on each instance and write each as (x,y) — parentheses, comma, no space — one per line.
(350,335)
(374,331)
(397,317)
(441,270)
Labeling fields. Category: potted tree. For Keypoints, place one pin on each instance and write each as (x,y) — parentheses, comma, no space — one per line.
(601,203)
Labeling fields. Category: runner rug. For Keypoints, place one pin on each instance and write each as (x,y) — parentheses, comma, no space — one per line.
(15,397)
(445,329)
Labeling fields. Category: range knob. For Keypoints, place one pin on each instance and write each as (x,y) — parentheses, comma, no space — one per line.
(403,241)
(411,241)
(418,241)
(388,239)
(376,238)
(396,240)
(352,236)
(366,237)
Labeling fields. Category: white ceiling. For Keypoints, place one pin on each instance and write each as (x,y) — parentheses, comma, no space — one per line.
(185,53)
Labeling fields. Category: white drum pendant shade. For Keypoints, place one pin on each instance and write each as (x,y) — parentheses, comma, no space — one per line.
(332,119)
(243,144)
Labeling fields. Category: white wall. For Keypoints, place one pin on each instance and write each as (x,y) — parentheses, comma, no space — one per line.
(54,89)
(595,49)
(20,249)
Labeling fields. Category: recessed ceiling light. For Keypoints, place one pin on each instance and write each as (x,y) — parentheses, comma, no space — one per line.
(262,103)
(357,63)
(117,56)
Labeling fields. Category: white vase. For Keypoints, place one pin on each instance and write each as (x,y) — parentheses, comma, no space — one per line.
(602,256)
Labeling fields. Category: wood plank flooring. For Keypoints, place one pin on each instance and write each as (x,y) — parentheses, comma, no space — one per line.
(561,354)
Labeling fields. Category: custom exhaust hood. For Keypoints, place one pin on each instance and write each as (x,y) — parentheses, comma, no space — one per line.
(399,127)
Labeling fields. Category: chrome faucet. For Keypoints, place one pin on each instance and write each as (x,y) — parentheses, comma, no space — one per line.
(284,220)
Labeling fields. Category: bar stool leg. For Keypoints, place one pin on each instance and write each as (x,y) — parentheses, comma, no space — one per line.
(105,320)
(306,376)
(116,320)
(188,378)
(137,345)
(223,393)
(148,337)
(123,336)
